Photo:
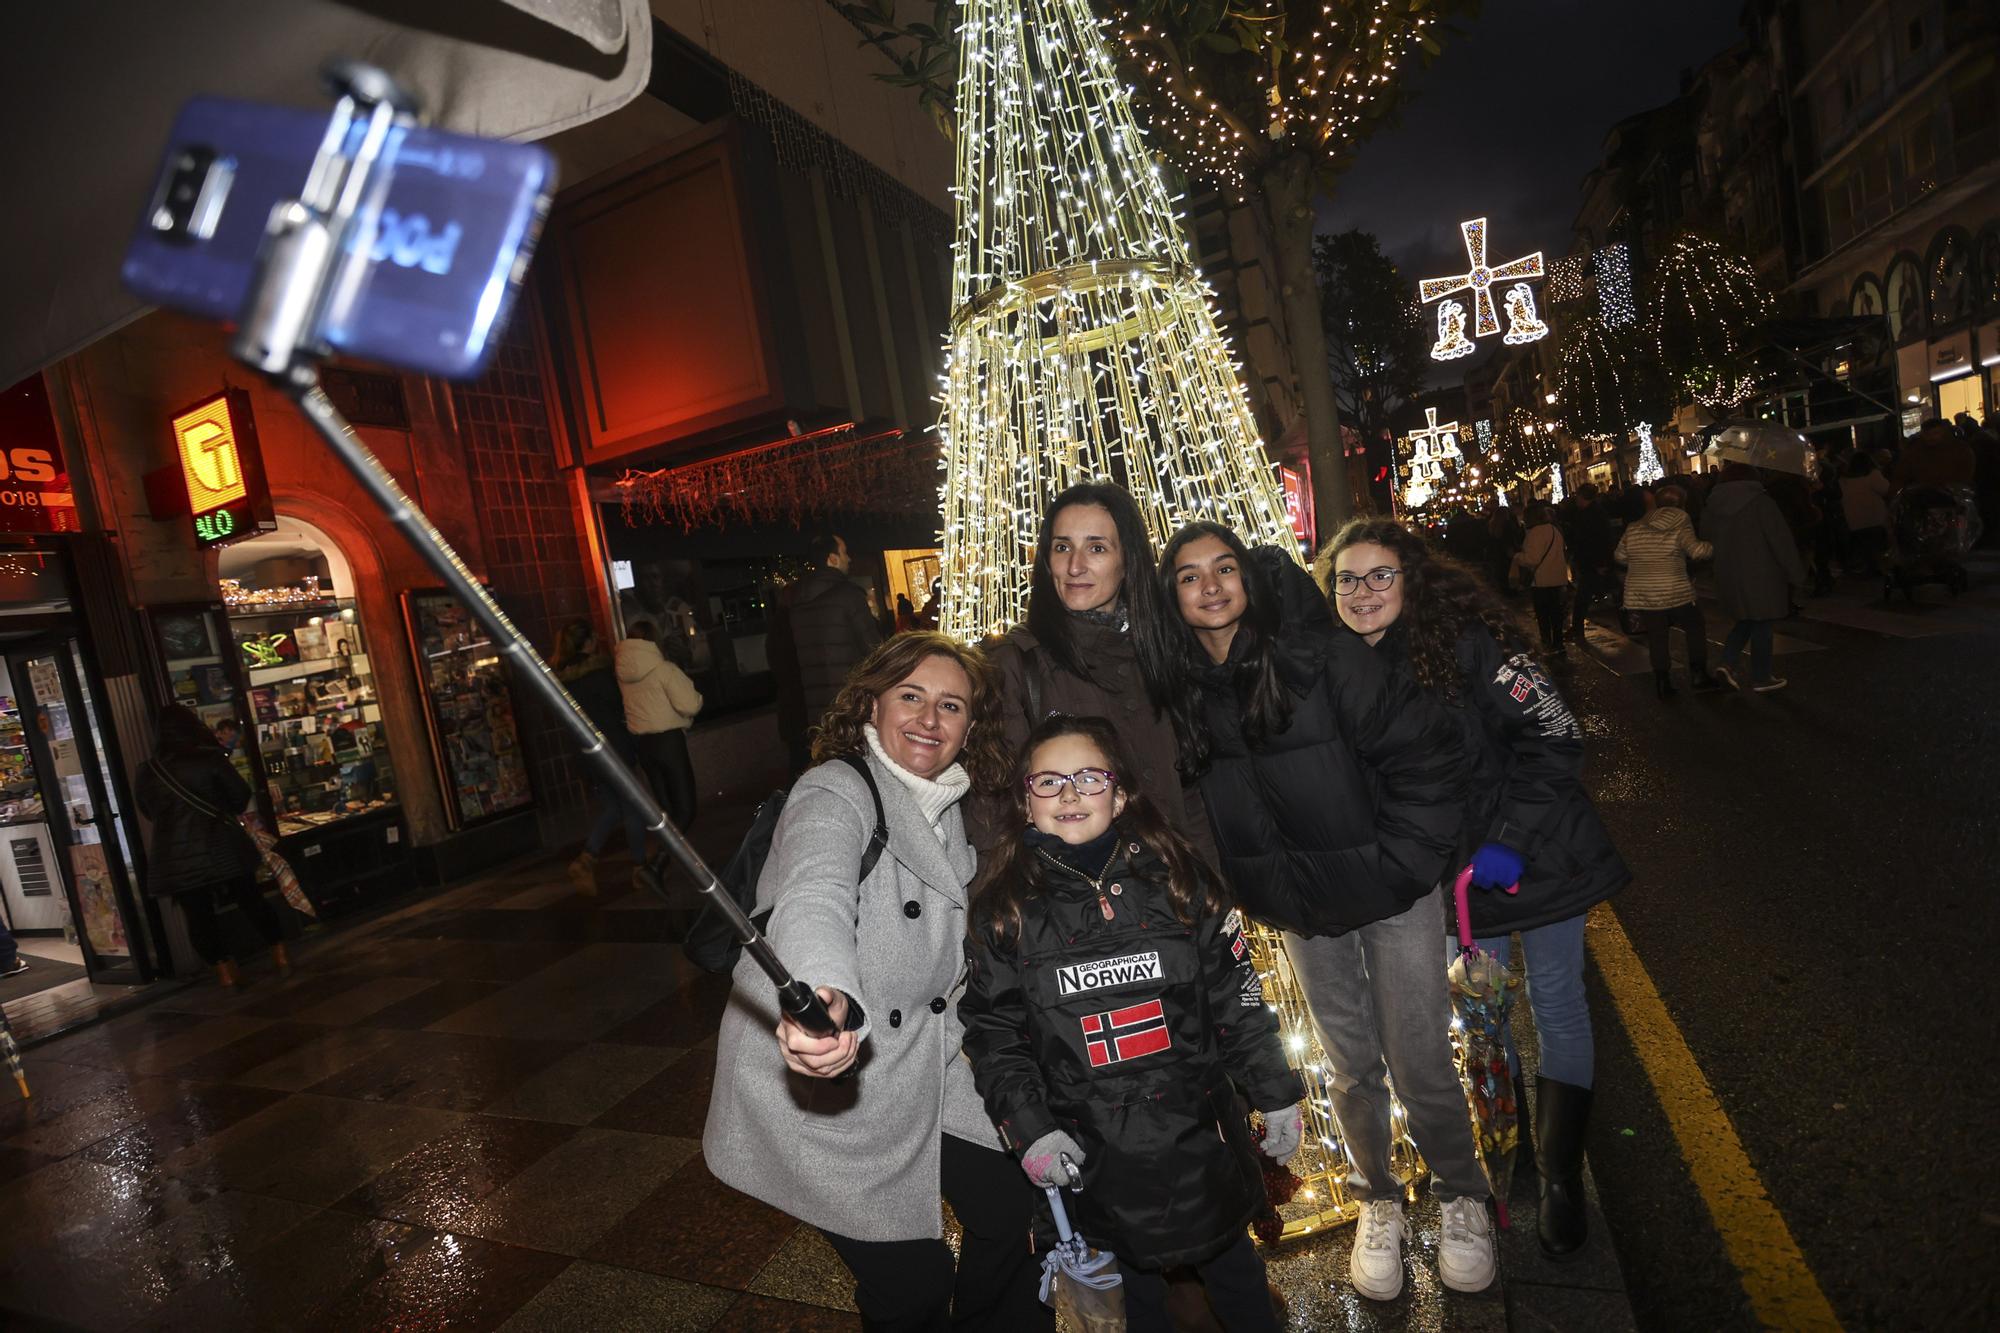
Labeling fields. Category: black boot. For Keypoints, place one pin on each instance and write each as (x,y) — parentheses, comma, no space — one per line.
(1663,684)
(1561,1112)
(1524,1153)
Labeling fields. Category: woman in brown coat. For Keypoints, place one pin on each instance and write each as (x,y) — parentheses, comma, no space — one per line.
(1099,641)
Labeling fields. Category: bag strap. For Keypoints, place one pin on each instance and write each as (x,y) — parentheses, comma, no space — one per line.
(187,797)
(1547,546)
(878,841)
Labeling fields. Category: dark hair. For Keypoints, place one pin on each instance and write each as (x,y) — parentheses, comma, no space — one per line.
(639,629)
(1860,464)
(1014,875)
(571,640)
(1440,598)
(1587,491)
(1265,702)
(1540,512)
(839,731)
(1151,626)
(180,730)
(823,545)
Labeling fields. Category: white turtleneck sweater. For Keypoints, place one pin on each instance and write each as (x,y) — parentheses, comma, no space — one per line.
(934,796)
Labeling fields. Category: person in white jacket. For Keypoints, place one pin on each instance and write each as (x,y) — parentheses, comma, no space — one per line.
(660,704)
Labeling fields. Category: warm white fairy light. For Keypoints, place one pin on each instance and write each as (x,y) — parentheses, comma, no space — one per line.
(1612,266)
(1556,493)
(1649,469)
(1477,282)
(1522,324)
(1084,343)
(1429,450)
(1452,342)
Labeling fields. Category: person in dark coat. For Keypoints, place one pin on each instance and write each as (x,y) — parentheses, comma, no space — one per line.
(200,855)
(1110,998)
(821,629)
(584,668)
(1529,821)
(1757,566)
(1591,541)
(1100,640)
(1335,789)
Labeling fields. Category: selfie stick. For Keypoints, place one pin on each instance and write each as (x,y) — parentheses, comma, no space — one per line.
(302,257)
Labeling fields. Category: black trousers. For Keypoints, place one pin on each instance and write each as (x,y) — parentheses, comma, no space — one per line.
(1590,582)
(664,757)
(1238,1292)
(205,932)
(909,1286)
(1549,615)
(1687,619)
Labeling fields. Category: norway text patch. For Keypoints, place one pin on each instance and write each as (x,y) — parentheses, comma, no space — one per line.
(1108,972)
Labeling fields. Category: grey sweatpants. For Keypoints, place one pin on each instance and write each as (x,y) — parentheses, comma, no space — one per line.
(1383,1007)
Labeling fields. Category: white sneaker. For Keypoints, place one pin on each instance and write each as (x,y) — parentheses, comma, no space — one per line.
(1375,1265)
(1772,685)
(1465,1254)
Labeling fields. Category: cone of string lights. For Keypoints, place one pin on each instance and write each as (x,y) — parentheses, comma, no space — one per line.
(1084,345)
(1083,342)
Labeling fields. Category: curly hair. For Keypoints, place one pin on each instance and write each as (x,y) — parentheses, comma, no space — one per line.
(1440,598)
(1013,877)
(985,751)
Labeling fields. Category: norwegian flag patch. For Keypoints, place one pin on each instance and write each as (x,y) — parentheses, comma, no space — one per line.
(1522,689)
(1126,1034)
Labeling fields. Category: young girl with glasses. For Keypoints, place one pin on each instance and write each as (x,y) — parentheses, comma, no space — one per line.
(1111,1000)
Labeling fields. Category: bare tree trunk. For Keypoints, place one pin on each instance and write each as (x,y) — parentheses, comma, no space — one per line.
(1287,189)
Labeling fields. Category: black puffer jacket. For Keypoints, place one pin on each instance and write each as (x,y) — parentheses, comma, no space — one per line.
(1125,1033)
(1526,789)
(1350,814)
(830,632)
(191,850)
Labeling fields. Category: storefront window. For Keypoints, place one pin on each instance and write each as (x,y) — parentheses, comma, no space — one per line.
(471,710)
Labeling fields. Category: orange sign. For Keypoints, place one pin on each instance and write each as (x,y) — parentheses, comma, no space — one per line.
(211,463)
(35,494)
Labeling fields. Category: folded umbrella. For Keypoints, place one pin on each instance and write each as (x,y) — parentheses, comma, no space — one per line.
(1482,992)
(1081,1284)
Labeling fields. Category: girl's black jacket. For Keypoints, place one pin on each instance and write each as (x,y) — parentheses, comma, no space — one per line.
(1125,1033)
(1526,789)
(1351,813)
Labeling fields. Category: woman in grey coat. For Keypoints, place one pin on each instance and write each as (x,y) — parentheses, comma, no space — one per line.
(860,1134)
(1757,564)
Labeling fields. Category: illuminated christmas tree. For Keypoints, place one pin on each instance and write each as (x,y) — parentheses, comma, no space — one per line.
(1083,342)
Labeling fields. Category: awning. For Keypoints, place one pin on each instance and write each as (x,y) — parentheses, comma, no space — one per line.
(92,87)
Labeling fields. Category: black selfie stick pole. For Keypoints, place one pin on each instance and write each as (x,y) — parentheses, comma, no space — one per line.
(303,246)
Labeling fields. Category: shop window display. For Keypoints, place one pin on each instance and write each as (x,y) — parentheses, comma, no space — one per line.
(471,710)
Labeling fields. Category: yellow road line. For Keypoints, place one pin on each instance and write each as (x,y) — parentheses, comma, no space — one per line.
(1783,1291)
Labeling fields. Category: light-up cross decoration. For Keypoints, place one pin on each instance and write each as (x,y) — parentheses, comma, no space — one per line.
(1479,279)
(1430,449)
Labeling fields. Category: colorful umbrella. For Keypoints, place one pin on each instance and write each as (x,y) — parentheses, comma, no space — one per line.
(1482,991)
(1080,1283)
(13,1053)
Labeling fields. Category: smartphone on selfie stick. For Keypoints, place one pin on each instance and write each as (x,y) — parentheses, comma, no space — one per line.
(366,234)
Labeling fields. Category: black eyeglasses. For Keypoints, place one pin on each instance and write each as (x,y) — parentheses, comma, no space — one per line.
(1378,579)
(1085,782)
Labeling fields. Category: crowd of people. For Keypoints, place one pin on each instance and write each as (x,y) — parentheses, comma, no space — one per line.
(1018,875)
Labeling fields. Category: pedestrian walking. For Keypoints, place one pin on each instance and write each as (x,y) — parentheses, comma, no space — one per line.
(660,705)
(1864,501)
(1116,1077)
(1335,790)
(200,857)
(1541,561)
(865,1159)
(1591,541)
(821,629)
(1757,566)
(1100,640)
(586,672)
(1655,551)
(1529,820)
(1503,543)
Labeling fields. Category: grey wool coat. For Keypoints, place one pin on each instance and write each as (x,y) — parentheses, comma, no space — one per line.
(857,1156)
(1757,560)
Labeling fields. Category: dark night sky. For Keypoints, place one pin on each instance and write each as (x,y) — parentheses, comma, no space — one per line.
(1506,122)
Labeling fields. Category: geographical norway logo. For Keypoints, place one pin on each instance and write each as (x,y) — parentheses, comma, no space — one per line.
(1126,1034)
(1108,972)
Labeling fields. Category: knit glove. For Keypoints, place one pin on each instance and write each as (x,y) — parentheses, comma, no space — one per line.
(1044,1161)
(1496,866)
(1282,1132)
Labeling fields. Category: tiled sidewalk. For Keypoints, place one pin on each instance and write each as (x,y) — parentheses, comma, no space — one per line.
(483,1111)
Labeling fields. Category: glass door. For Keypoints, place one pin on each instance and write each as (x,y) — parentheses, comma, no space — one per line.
(58,722)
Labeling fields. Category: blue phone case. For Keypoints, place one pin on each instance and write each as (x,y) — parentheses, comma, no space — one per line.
(453,238)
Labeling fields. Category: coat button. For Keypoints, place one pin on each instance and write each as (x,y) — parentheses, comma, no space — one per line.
(913,909)
(937,1005)
(895,1018)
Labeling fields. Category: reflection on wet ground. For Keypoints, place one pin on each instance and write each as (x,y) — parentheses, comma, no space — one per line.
(480,1112)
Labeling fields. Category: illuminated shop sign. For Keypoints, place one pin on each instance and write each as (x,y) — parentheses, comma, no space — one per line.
(222,469)
(35,493)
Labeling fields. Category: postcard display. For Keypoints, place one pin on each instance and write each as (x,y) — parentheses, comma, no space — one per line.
(471,708)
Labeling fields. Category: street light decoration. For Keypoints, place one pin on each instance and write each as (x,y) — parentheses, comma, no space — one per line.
(1083,342)
(1478,282)
(1429,450)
